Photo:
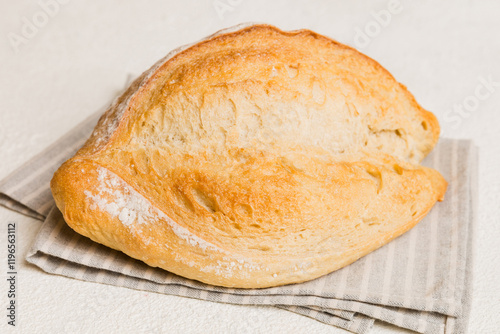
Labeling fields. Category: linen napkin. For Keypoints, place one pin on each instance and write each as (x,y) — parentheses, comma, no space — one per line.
(420,281)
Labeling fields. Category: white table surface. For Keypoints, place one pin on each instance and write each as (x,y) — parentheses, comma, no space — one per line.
(79,58)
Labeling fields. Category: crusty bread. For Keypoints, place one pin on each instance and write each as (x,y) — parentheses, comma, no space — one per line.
(254,158)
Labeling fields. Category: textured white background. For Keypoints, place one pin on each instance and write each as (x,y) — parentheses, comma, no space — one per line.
(79,59)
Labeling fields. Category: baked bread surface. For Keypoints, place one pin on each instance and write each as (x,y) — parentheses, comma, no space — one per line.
(252,159)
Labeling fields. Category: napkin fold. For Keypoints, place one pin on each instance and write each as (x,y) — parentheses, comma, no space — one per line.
(420,281)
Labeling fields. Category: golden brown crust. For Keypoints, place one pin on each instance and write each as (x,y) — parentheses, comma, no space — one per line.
(252,159)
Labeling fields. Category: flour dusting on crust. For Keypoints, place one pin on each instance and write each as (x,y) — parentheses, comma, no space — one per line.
(117,198)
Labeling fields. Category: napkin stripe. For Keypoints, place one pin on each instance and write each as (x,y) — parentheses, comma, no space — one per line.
(14,205)
(45,208)
(29,184)
(35,196)
(38,198)
(408,285)
(433,245)
(339,313)
(453,326)
(462,233)
(458,250)
(388,272)
(344,274)
(18,190)
(366,277)
(454,232)
(442,266)
(417,233)
(360,324)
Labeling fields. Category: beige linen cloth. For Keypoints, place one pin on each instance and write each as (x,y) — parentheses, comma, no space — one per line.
(420,281)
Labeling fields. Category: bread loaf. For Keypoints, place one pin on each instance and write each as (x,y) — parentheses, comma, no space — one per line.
(252,159)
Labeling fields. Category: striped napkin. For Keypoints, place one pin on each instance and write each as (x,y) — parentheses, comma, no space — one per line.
(420,281)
